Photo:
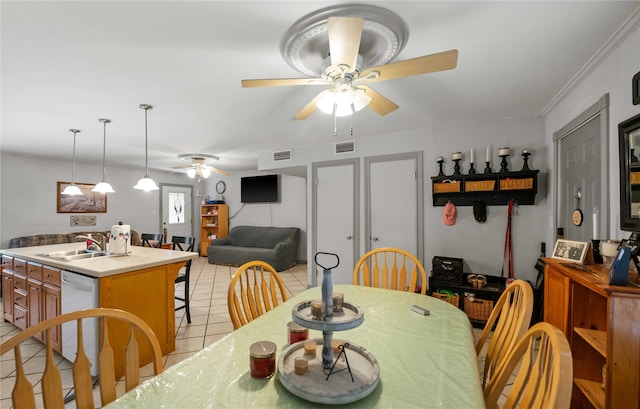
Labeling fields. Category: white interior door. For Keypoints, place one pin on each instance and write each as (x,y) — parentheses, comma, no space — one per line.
(335,202)
(176,209)
(394,203)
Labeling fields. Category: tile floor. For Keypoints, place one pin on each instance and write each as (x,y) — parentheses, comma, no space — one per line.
(209,322)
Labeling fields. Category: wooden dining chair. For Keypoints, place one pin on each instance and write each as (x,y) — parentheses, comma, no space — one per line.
(388,267)
(255,289)
(183,243)
(151,240)
(511,317)
(23,396)
(544,378)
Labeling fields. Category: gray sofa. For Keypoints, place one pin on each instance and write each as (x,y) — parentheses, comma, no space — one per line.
(277,246)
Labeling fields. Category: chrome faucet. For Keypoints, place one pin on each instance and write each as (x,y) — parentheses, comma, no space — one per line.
(102,244)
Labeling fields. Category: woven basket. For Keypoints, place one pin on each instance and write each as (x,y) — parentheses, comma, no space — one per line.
(451,299)
(479,186)
(443,187)
(516,184)
(478,309)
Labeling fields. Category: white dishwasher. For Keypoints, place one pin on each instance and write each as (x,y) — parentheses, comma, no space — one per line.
(80,292)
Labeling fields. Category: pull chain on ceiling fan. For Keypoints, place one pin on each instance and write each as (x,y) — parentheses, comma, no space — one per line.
(356,41)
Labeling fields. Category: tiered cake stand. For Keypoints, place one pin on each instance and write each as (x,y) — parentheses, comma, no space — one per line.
(350,375)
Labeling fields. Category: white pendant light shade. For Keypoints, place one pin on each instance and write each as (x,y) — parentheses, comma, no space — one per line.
(103,186)
(205,172)
(360,99)
(146,183)
(191,173)
(72,189)
(327,101)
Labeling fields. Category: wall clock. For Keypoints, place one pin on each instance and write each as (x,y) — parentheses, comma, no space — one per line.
(221,187)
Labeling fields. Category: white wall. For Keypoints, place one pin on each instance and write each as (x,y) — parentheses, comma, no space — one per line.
(28,193)
(289,211)
(481,245)
(610,74)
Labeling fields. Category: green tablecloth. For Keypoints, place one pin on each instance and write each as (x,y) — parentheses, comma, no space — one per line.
(425,361)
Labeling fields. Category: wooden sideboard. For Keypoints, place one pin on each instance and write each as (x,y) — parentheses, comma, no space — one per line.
(602,324)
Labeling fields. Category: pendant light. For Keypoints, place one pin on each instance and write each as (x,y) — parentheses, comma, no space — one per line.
(146,183)
(72,189)
(104,186)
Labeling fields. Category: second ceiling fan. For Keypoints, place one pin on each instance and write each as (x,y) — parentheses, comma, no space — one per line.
(343,70)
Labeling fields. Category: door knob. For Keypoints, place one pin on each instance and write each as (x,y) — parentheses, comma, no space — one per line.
(349,237)
(374,238)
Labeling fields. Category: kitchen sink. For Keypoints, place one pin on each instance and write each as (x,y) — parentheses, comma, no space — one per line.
(74,254)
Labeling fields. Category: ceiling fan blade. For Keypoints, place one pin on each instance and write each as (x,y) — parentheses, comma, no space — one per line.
(379,104)
(446,60)
(220,171)
(344,40)
(278,82)
(183,167)
(309,109)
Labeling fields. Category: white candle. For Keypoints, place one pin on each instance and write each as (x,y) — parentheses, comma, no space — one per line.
(596,223)
(488,153)
(504,151)
(631,141)
(473,155)
(456,155)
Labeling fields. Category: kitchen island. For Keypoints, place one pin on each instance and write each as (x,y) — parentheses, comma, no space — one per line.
(141,282)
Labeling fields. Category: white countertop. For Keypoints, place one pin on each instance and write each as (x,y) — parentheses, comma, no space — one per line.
(139,258)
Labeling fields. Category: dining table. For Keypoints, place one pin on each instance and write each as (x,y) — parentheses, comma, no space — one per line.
(424,361)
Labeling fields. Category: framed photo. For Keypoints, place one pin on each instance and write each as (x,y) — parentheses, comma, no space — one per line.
(88,202)
(568,250)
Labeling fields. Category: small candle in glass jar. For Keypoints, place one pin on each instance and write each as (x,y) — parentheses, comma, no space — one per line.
(338,299)
(456,155)
(318,309)
(310,348)
(504,152)
(301,366)
(262,362)
(336,345)
(296,333)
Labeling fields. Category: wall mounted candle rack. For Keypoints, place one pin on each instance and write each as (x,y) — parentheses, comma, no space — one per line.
(494,189)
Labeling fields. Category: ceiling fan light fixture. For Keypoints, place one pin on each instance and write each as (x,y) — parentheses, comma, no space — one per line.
(327,101)
(72,189)
(146,183)
(191,173)
(360,99)
(103,186)
(204,172)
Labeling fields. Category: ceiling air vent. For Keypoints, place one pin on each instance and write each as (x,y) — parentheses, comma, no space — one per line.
(345,147)
(282,155)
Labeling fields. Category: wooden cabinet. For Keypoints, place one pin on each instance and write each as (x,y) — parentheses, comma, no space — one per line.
(31,294)
(600,322)
(214,225)
(493,188)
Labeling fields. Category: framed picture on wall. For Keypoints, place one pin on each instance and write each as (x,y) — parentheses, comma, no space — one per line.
(87,202)
(568,250)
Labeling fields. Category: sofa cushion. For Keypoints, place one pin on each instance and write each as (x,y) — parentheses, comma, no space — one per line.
(261,236)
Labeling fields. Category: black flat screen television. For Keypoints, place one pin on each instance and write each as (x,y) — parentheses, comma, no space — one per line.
(259,189)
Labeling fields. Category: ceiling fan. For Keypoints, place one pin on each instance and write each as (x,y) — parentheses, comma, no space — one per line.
(350,43)
(199,165)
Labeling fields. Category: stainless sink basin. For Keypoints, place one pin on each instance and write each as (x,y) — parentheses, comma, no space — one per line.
(74,254)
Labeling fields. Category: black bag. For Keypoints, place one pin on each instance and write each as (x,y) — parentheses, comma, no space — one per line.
(447,270)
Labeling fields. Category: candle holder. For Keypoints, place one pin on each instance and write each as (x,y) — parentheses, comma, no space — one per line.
(634,158)
(597,257)
(472,171)
(456,167)
(525,156)
(504,164)
(440,163)
(487,169)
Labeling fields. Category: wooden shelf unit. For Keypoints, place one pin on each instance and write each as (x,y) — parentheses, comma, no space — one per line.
(492,188)
(214,221)
(600,322)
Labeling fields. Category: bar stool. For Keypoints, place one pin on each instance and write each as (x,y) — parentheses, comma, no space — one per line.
(182,243)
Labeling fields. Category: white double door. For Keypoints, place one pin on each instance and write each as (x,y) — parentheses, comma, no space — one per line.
(391,210)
